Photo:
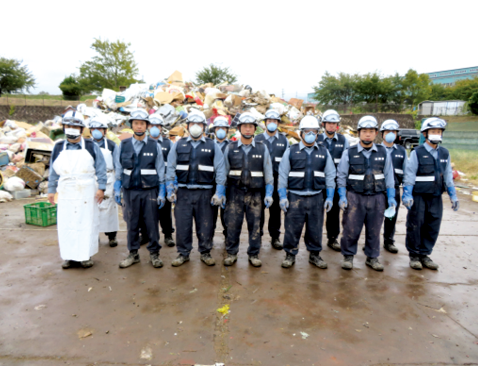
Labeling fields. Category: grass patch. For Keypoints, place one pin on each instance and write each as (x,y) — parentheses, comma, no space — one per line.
(463,126)
(46,97)
(466,161)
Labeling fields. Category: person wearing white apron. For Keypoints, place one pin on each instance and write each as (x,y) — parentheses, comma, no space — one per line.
(109,223)
(78,174)
(156,124)
(141,180)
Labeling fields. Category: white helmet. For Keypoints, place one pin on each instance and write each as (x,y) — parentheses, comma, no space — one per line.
(433,122)
(197,117)
(246,118)
(367,122)
(309,122)
(272,114)
(219,122)
(156,119)
(139,114)
(389,125)
(331,115)
(73,118)
(97,122)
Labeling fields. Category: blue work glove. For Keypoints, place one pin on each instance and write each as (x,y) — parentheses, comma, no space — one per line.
(162,196)
(183,114)
(268,199)
(176,184)
(171,191)
(407,197)
(455,205)
(391,197)
(283,202)
(343,198)
(219,198)
(117,189)
(329,202)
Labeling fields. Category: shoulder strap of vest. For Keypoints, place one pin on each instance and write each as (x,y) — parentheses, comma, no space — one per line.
(381,149)
(341,138)
(111,145)
(90,146)
(402,150)
(260,137)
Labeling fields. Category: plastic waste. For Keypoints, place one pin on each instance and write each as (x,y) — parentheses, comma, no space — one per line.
(14,184)
(390,212)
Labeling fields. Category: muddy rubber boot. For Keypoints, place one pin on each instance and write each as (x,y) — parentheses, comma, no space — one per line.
(131,259)
(169,241)
(348,262)
(230,259)
(255,261)
(288,261)
(374,263)
(317,261)
(415,263)
(87,264)
(66,264)
(155,260)
(390,248)
(334,244)
(276,244)
(207,259)
(427,262)
(180,260)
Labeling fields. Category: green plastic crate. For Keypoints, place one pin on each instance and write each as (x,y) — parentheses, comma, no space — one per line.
(40,214)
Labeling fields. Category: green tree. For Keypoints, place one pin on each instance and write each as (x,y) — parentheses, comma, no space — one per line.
(215,74)
(71,88)
(440,92)
(473,103)
(113,66)
(416,87)
(340,89)
(464,89)
(14,77)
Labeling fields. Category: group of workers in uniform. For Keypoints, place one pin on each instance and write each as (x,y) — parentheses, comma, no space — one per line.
(209,177)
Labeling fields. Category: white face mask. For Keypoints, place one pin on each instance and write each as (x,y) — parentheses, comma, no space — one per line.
(195,131)
(72,132)
(434,139)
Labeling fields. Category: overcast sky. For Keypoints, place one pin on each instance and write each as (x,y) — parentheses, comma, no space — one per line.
(271,45)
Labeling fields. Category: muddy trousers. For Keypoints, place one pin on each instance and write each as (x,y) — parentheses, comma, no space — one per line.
(274,214)
(239,203)
(141,211)
(194,204)
(362,210)
(308,210)
(389,224)
(332,223)
(166,219)
(423,224)
(216,210)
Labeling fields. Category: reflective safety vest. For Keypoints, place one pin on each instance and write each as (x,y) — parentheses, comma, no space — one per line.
(276,148)
(429,179)
(246,170)
(307,170)
(336,148)
(398,156)
(139,171)
(195,165)
(366,175)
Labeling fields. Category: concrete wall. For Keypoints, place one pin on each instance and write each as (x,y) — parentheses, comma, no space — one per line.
(30,114)
(404,120)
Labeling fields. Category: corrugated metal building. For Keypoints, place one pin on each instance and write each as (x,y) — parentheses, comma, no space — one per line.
(450,77)
(442,108)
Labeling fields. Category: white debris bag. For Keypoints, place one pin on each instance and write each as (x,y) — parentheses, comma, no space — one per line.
(14,184)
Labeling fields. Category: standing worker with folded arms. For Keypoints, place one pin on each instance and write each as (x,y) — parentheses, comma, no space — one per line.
(306,170)
(427,176)
(141,178)
(277,144)
(364,174)
(198,162)
(398,154)
(77,168)
(336,143)
(249,171)
(109,223)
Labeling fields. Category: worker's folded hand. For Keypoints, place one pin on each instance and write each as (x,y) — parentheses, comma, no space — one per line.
(175,184)
(268,199)
(161,196)
(171,192)
(407,197)
(283,201)
(219,198)
(343,198)
(117,189)
(455,205)
(329,202)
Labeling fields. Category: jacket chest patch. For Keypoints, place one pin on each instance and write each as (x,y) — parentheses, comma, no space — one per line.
(236,151)
(399,156)
(206,150)
(164,148)
(356,156)
(320,156)
(379,159)
(425,156)
(337,145)
(444,160)
(280,145)
(256,156)
(148,154)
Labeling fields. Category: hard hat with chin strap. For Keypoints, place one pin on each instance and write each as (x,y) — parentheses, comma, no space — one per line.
(272,114)
(309,122)
(367,122)
(219,122)
(433,122)
(156,119)
(73,118)
(196,117)
(247,118)
(389,125)
(331,115)
(138,115)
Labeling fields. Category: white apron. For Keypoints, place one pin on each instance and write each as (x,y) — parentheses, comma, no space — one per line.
(109,222)
(77,209)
